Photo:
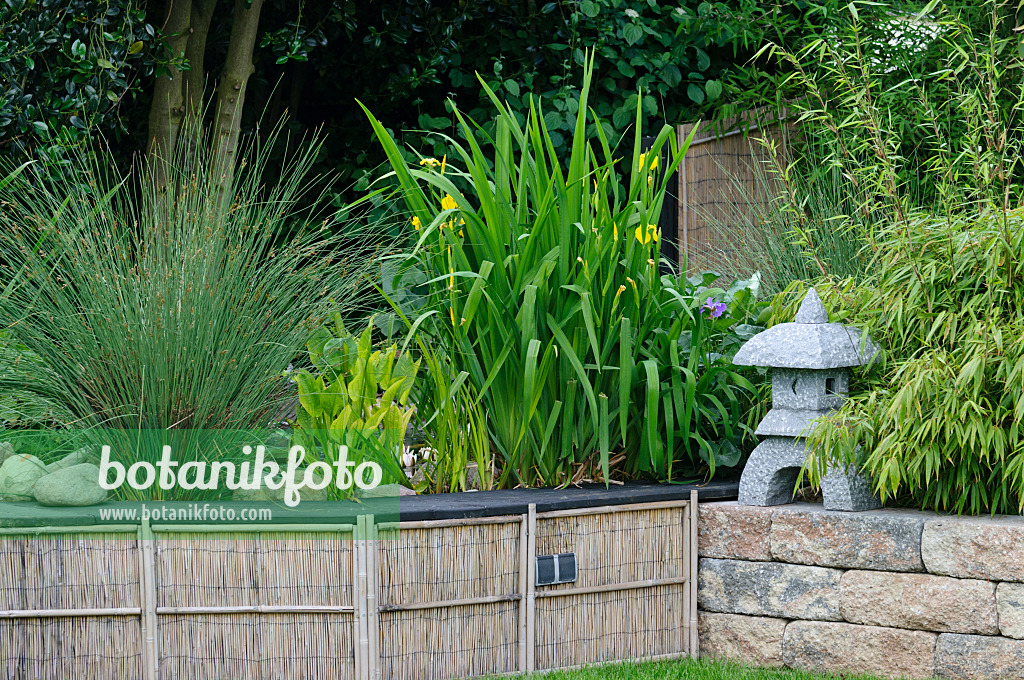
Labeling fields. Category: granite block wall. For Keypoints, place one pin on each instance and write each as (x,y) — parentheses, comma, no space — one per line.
(892,593)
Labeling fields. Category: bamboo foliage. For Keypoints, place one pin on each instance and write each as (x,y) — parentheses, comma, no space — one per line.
(936,199)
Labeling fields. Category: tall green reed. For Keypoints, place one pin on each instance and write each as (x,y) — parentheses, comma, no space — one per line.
(544,287)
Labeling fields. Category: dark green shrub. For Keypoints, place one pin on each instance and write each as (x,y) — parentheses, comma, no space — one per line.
(67,68)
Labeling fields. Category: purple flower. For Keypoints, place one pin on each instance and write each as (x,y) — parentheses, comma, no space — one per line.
(717,309)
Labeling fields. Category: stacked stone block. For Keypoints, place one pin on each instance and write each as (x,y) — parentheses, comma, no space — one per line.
(892,593)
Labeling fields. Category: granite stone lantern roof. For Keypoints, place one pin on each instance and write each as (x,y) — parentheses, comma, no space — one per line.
(809,341)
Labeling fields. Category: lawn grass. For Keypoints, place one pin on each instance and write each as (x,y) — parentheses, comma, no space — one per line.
(686,669)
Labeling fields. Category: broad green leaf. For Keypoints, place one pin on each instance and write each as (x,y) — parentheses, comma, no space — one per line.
(632,33)
(695,93)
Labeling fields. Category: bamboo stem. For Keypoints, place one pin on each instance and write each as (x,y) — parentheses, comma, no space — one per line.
(362,628)
(694,637)
(83,529)
(440,604)
(464,522)
(259,609)
(372,620)
(147,579)
(61,613)
(684,643)
(250,528)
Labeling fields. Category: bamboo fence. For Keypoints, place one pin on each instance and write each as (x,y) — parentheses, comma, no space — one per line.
(427,600)
(723,182)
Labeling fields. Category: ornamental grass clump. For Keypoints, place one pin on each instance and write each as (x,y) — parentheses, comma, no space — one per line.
(177,308)
(544,286)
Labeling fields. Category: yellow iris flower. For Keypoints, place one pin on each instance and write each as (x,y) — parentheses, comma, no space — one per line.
(448,203)
(641,161)
(416,223)
(648,235)
(433,162)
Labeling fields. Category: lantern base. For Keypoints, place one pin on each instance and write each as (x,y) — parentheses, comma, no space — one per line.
(771,473)
(849,491)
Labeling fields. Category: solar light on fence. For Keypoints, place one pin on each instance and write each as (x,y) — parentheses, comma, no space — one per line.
(554,569)
(810,360)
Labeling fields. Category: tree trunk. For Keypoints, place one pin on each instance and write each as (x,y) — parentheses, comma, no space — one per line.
(298,82)
(167,109)
(195,53)
(231,91)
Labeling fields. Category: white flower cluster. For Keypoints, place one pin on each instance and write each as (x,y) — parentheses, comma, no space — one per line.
(409,457)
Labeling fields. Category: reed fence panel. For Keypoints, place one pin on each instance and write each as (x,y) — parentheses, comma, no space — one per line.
(628,600)
(724,184)
(245,604)
(70,604)
(448,598)
(71,647)
(425,600)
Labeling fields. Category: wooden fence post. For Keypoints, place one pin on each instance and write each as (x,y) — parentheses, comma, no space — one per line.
(147,597)
(694,516)
(531,596)
(524,568)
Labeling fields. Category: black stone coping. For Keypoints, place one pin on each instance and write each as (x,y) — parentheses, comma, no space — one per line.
(405,508)
(517,501)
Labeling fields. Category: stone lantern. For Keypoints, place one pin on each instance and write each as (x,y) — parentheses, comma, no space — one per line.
(810,360)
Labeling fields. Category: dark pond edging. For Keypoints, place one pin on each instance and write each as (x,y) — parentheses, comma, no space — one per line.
(517,501)
(408,508)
